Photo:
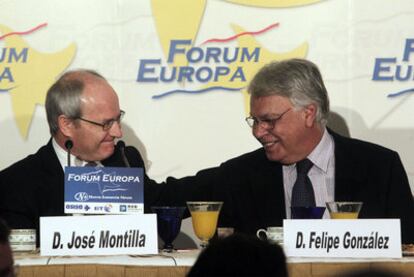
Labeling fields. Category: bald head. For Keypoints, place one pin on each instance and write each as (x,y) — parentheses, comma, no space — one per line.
(64,96)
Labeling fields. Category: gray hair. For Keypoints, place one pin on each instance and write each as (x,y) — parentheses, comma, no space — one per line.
(64,97)
(297,79)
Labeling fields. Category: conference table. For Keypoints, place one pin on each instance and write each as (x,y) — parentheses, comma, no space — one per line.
(180,262)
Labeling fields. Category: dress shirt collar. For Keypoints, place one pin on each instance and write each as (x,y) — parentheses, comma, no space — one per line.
(323,151)
(321,154)
(63,157)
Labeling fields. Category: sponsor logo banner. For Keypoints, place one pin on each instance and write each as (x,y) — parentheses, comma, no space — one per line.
(104,190)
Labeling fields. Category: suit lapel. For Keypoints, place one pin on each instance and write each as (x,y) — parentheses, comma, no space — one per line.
(347,175)
(51,162)
(266,181)
(52,183)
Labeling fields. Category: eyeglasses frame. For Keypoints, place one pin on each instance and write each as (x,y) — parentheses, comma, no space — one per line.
(254,122)
(107,124)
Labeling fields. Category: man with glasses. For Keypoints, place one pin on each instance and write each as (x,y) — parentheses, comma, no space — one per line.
(83,114)
(301,162)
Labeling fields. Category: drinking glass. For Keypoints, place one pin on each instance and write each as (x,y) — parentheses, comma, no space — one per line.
(344,210)
(204,216)
(169,224)
(307,212)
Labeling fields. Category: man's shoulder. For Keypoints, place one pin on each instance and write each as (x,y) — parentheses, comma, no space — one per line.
(29,163)
(134,156)
(253,158)
(361,147)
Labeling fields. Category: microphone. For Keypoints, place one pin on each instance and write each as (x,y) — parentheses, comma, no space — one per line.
(121,146)
(69,145)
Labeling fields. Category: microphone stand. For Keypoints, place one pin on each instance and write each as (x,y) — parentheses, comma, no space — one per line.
(68,145)
(121,146)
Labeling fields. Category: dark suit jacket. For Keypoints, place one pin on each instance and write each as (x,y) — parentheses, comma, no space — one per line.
(252,189)
(34,186)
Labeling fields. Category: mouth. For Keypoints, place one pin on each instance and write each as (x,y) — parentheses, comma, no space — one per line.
(106,142)
(269,144)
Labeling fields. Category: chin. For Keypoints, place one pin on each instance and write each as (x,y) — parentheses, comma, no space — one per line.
(276,157)
(272,157)
(106,152)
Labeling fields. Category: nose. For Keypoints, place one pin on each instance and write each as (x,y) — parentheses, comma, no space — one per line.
(116,130)
(259,131)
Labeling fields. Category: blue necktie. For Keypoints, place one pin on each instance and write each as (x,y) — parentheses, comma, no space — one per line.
(302,193)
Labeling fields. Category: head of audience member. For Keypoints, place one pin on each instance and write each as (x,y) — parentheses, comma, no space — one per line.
(289,107)
(6,257)
(240,255)
(81,106)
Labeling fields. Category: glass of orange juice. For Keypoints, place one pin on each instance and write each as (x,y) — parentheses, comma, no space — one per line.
(204,216)
(344,210)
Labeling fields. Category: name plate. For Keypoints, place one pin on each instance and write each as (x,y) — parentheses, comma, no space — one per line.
(348,238)
(98,235)
(104,190)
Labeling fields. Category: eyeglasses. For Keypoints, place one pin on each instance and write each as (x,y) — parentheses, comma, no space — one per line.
(266,123)
(107,124)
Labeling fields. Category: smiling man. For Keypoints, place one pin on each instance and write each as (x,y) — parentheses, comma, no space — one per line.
(301,162)
(83,114)
(84,108)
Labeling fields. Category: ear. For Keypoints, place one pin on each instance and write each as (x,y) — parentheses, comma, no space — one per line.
(310,115)
(66,125)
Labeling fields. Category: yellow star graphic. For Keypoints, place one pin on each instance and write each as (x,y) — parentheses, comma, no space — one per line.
(178,19)
(29,74)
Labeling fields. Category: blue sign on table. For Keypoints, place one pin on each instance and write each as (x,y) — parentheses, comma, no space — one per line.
(104,190)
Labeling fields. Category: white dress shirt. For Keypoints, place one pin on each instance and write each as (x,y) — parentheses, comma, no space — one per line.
(63,157)
(322,174)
